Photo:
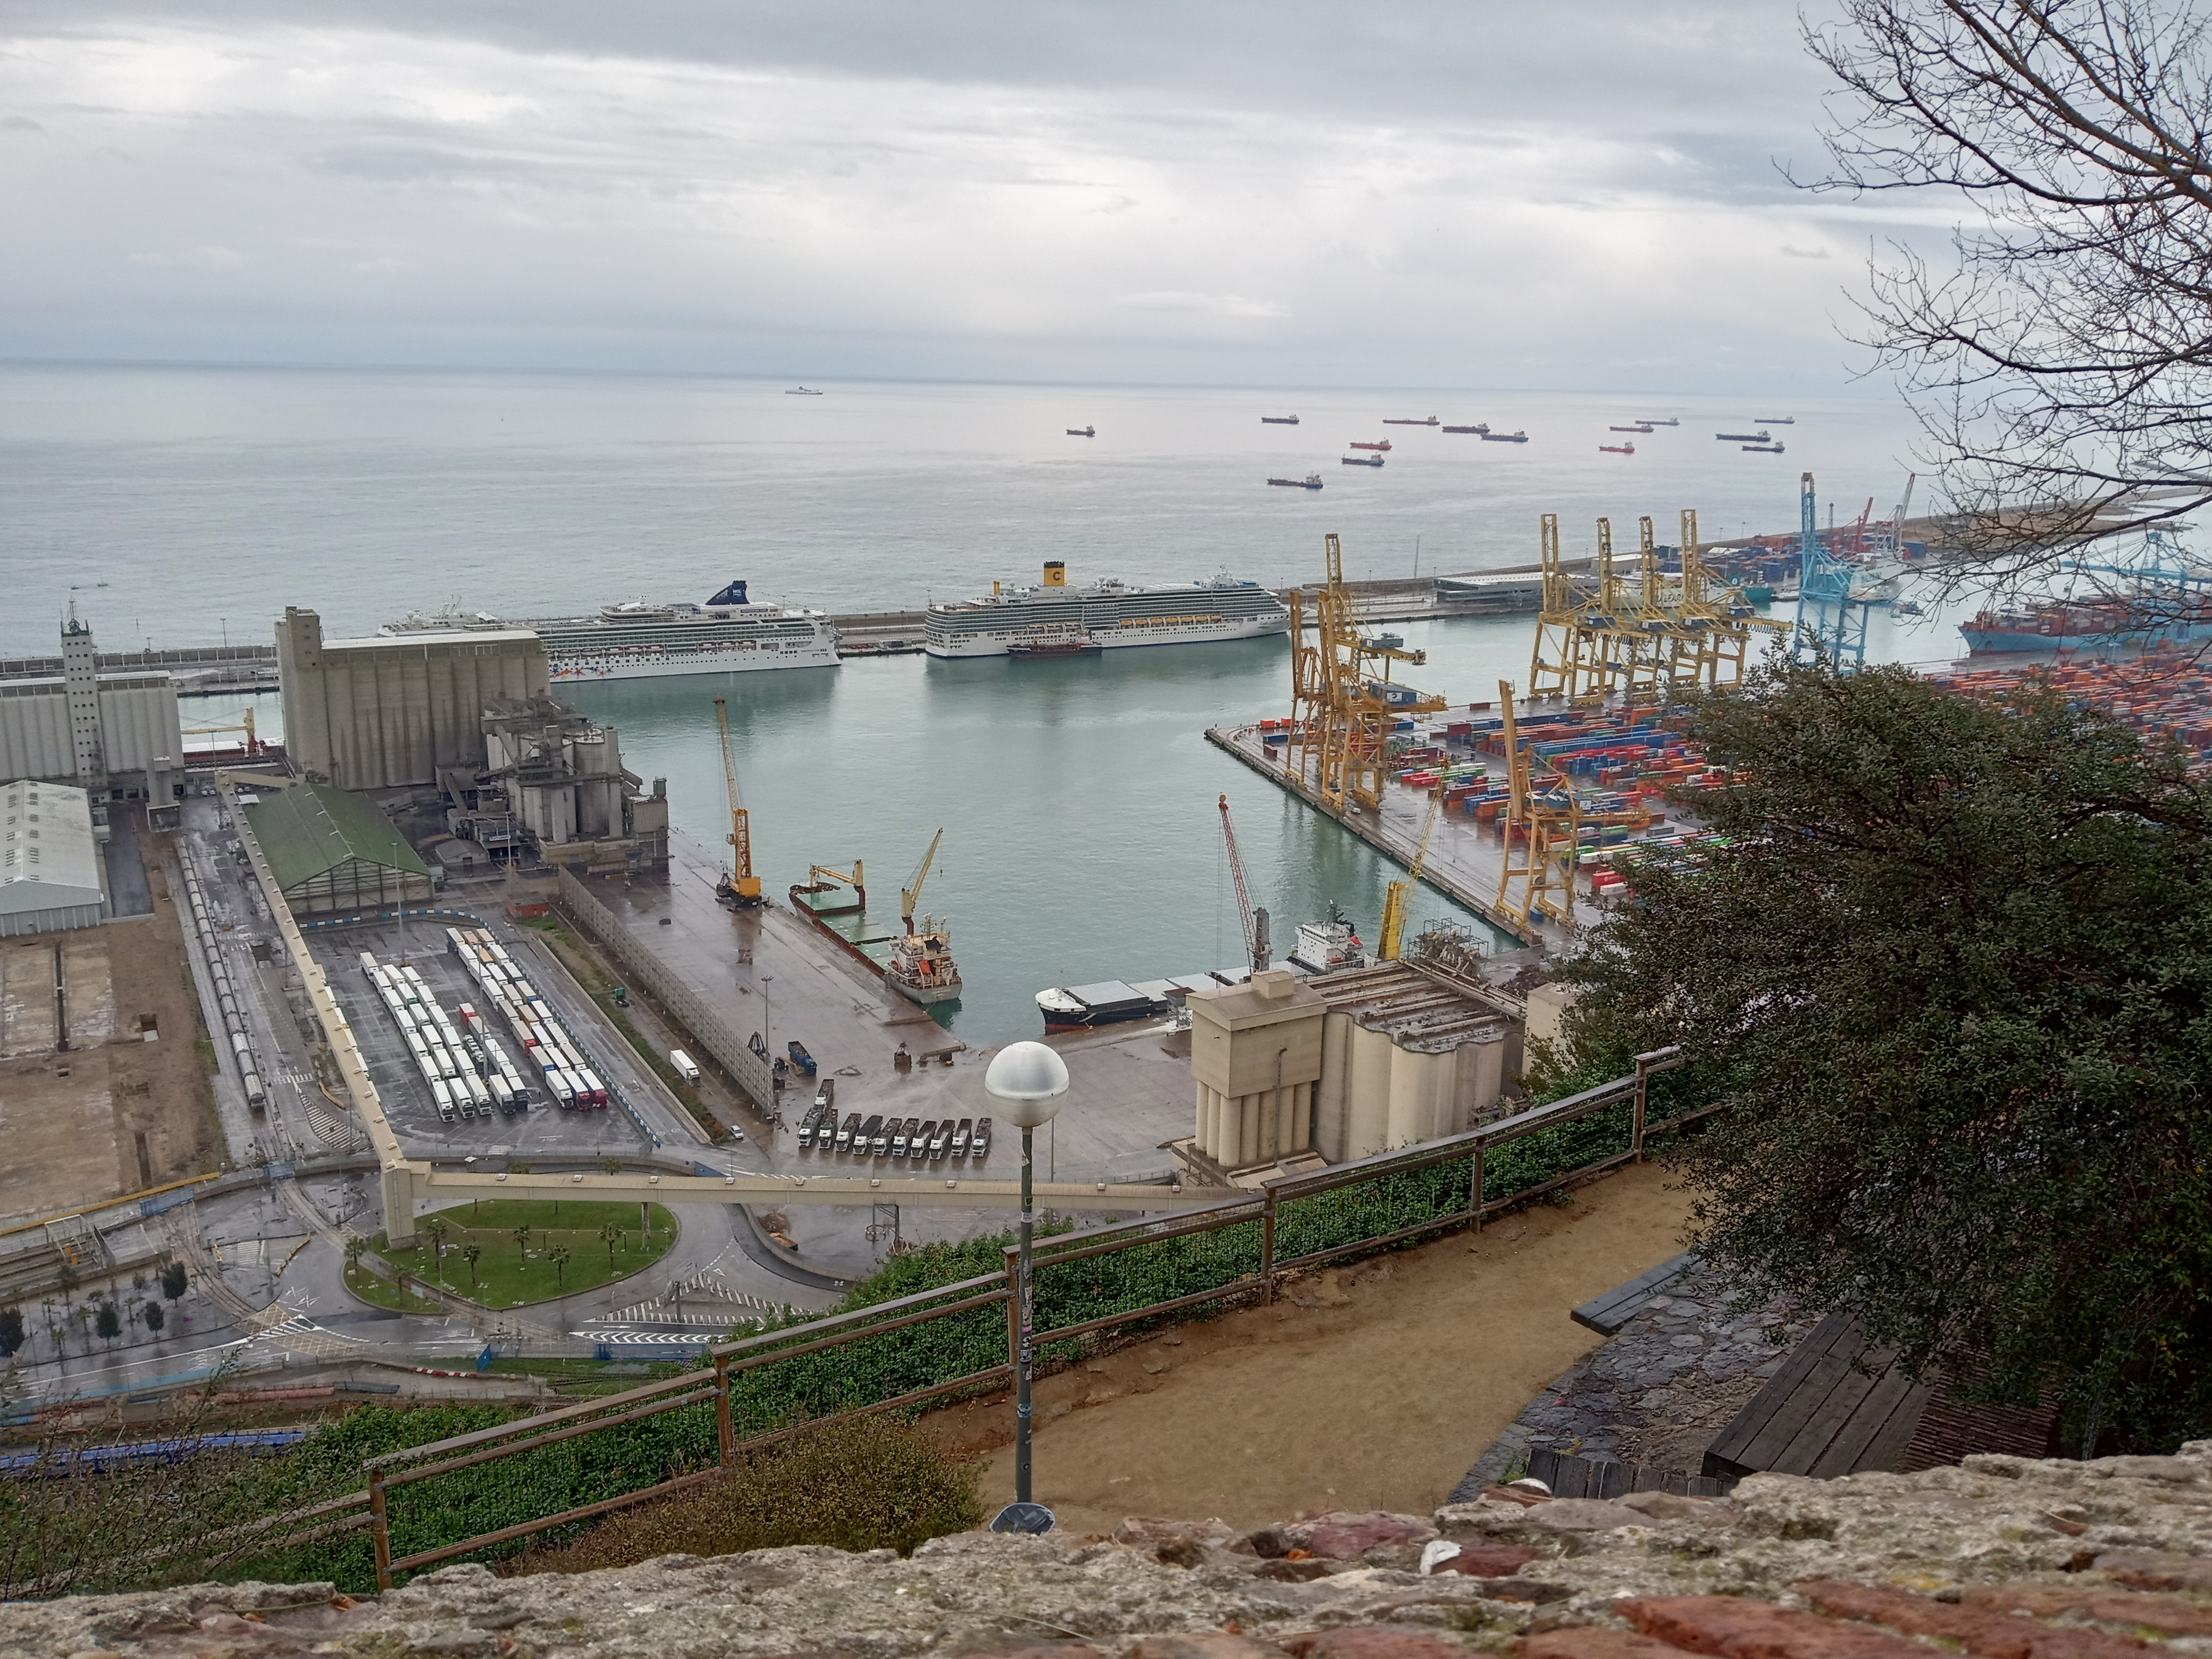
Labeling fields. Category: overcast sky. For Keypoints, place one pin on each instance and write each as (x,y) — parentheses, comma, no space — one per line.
(1444,192)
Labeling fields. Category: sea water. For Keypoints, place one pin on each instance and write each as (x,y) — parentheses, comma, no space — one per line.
(1083,842)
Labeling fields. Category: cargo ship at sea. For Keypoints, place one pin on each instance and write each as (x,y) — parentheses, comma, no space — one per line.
(636,640)
(1108,614)
(2087,625)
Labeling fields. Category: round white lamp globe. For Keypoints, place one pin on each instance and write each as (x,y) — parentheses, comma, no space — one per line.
(1029,1078)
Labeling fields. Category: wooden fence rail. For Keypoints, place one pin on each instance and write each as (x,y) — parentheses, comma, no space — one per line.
(393,1472)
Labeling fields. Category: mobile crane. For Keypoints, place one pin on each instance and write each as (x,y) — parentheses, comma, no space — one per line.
(1257,944)
(739,888)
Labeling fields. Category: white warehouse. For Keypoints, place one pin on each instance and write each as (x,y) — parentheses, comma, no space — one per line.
(51,873)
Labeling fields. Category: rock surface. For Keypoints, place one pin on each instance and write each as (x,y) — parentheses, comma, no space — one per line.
(2001,1558)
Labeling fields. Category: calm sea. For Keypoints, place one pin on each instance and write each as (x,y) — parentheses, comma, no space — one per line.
(180,506)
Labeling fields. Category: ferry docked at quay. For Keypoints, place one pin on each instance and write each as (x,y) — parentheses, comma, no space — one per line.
(1107,615)
(730,632)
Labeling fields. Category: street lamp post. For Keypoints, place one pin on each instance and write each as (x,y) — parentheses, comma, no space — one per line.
(1026,1080)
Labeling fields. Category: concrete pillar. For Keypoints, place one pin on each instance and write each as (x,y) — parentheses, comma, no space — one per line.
(1288,1119)
(1420,1096)
(1247,1129)
(398,1191)
(1368,1120)
(1329,1115)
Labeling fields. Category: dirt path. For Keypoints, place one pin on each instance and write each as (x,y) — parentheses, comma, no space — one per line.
(1374,1386)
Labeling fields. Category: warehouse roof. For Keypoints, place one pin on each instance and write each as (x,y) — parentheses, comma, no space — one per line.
(311,829)
(48,858)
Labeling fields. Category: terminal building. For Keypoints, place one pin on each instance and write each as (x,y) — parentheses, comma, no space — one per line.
(102,732)
(52,874)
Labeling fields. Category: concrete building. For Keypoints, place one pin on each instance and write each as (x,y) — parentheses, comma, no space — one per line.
(389,713)
(98,731)
(51,875)
(1369,1060)
(333,853)
(559,780)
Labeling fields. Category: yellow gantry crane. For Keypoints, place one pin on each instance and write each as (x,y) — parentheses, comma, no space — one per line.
(1543,831)
(739,887)
(1400,893)
(1343,701)
(910,895)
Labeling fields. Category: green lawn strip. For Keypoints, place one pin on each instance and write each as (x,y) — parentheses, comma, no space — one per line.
(583,1378)
(507,1271)
(383,1293)
(600,989)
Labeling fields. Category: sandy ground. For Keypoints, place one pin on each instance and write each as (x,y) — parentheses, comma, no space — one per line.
(1370,1387)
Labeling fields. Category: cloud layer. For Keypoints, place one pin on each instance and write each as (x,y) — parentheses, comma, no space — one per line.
(1429,194)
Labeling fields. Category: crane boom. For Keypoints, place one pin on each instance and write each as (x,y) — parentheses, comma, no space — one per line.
(742,886)
(1400,893)
(909,895)
(1256,942)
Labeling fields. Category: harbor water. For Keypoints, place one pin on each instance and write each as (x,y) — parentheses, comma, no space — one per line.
(1083,842)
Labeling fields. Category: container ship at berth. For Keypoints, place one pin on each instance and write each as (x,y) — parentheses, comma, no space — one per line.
(2091,625)
(636,640)
(1109,615)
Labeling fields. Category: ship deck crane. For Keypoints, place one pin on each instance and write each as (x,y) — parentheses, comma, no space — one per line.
(1400,893)
(739,887)
(911,894)
(245,724)
(1257,944)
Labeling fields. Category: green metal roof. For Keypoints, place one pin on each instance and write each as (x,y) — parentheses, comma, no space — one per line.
(311,829)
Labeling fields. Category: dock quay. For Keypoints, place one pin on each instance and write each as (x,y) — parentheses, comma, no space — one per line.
(1466,861)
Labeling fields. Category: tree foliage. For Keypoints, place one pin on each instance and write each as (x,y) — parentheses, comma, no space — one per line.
(2058,357)
(1952,968)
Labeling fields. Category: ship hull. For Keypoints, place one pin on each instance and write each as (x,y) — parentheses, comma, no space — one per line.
(927,995)
(1980,641)
(738,657)
(997,644)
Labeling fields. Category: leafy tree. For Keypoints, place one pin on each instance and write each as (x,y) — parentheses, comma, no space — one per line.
(611,1166)
(11,1330)
(108,1324)
(2056,356)
(1951,967)
(174,1280)
(155,1317)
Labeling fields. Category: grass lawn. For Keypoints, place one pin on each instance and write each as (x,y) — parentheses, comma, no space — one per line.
(508,1271)
(383,1293)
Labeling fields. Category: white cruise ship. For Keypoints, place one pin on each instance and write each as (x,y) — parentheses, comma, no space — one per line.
(637,641)
(1106,614)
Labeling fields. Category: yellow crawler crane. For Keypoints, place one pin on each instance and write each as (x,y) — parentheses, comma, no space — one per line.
(1400,893)
(739,887)
(1343,701)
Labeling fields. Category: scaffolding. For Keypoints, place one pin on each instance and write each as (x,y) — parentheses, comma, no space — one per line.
(1607,636)
(1344,703)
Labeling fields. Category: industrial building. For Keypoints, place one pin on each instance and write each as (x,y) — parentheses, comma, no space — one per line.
(390,713)
(52,874)
(554,778)
(99,731)
(1290,1073)
(334,853)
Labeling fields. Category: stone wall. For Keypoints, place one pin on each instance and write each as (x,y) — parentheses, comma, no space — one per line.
(2003,1558)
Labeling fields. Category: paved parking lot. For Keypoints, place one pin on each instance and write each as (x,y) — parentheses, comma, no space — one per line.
(546,1128)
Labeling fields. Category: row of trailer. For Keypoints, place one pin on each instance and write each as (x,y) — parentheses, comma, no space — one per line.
(895,1137)
(547,1046)
(233,1036)
(469,1073)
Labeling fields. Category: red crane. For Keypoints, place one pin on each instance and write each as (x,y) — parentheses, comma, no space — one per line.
(1255,921)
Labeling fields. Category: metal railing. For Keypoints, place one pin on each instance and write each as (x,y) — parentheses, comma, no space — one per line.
(766,1387)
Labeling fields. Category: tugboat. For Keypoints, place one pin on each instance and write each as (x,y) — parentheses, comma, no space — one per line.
(921,968)
(1279,420)
(1311,480)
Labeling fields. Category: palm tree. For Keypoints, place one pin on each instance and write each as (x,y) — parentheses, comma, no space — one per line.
(354,1250)
(558,1255)
(611,1165)
(613,1236)
(471,1250)
(436,1229)
(521,1242)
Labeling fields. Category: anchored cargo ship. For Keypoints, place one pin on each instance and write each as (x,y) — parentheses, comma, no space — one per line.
(1279,420)
(1108,614)
(1480,431)
(1311,480)
(634,641)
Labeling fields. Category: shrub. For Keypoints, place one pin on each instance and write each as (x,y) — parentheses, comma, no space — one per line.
(877,1483)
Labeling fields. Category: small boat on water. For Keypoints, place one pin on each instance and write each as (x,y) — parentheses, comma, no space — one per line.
(1477,430)
(1616,449)
(801,391)
(1761,436)
(1505,437)
(1082,432)
(1763,449)
(1311,480)
(1431,421)
(1363,460)
(1355,444)
(1279,420)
